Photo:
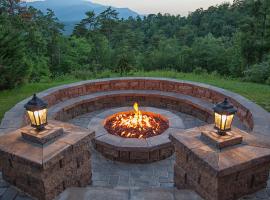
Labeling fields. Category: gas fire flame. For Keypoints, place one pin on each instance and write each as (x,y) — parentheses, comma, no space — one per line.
(135,124)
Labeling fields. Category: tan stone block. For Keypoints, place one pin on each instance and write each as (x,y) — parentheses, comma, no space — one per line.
(154,155)
(139,155)
(166,152)
(124,155)
(110,152)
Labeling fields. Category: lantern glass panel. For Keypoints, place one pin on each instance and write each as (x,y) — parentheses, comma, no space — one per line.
(32,117)
(217,120)
(229,122)
(43,116)
(38,117)
(223,122)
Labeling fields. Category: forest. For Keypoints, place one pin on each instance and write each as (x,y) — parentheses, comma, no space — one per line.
(228,40)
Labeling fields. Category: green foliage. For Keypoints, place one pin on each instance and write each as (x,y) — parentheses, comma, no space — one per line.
(259,73)
(209,53)
(231,40)
(13,66)
(165,56)
(199,70)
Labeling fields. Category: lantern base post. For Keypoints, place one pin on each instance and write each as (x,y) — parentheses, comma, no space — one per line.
(43,136)
(228,139)
(40,128)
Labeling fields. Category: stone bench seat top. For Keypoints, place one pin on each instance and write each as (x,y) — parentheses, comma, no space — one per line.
(207,106)
(43,156)
(254,150)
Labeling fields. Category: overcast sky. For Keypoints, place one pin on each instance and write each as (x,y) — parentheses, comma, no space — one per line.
(164,6)
(182,7)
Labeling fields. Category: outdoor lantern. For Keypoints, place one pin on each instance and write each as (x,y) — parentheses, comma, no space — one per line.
(224,114)
(37,112)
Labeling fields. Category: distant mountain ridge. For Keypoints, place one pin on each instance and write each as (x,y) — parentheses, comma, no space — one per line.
(70,12)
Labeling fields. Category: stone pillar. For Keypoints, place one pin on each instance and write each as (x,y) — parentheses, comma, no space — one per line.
(43,166)
(219,172)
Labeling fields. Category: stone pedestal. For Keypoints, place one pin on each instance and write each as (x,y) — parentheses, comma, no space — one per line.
(221,141)
(49,134)
(44,169)
(220,173)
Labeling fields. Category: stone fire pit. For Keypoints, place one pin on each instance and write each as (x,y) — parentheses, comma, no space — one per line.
(103,98)
(134,150)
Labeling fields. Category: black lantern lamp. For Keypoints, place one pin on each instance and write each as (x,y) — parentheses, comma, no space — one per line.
(224,114)
(37,112)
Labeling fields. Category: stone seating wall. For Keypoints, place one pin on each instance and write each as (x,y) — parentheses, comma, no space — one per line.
(197,99)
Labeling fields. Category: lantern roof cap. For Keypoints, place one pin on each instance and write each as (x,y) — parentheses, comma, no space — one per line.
(225,107)
(35,104)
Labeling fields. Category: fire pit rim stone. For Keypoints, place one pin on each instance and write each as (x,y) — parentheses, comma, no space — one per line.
(132,145)
(97,123)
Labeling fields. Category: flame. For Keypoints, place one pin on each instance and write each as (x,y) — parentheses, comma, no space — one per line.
(135,124)
(136,107)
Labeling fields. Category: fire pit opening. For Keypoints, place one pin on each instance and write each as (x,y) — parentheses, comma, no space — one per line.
(136,124)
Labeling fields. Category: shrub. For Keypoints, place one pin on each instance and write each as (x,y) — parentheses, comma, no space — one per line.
(268,81)
(199,70)
(258,73)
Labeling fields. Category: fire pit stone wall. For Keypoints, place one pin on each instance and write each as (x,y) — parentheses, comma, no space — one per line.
(134,150)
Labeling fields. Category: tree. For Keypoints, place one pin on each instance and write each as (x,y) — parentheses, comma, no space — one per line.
(13,66)
(86,25)
(209,53)
(107,20)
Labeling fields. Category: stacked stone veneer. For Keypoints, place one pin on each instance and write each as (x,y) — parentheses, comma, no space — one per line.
(165,93)
(220,174)
(44,171)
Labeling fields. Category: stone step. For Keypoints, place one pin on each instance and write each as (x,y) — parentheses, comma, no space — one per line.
(105,193)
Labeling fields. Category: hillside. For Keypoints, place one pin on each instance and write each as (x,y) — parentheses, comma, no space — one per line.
(226,40)
(73,11)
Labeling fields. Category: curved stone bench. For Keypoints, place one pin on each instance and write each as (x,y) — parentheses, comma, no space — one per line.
(252,115)
(71,108)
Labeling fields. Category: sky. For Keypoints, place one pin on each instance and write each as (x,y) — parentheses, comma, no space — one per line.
(182,7)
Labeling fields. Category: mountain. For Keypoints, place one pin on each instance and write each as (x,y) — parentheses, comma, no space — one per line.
(70,12)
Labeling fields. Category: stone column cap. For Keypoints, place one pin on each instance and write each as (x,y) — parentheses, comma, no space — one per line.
(254,150)
(46,155)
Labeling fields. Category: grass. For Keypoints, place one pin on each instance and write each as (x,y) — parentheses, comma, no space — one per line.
(8,98)
(258,93)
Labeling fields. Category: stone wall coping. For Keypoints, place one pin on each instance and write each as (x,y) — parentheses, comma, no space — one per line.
(44,156)
(260,117)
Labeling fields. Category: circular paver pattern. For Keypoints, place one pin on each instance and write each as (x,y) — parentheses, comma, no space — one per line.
(134,150)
